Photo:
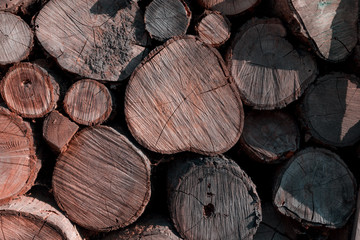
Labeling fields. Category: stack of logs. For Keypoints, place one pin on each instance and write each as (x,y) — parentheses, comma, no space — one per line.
(172,119)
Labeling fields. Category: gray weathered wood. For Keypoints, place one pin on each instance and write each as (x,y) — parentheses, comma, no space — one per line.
(229,7)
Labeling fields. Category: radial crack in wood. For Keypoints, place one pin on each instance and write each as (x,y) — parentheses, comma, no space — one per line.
(229,7)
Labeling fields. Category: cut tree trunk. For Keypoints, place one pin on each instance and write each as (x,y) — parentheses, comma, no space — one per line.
(317,189)
(154,228)
(331,109)
(269,72)
(212,198)
(102,181)
(88,102)
(214,28)
(165,19)
(18,163)
(30,218)
(16,38)
(270,137)
(229,7)
(58,131)
(174,102)
(102,39)
(329,26)
(29,90)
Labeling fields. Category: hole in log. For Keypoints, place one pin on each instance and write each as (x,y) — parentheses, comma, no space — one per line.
(209,210)
(26,82)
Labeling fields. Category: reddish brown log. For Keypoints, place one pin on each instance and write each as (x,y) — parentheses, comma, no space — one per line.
(22,7)
(228,7)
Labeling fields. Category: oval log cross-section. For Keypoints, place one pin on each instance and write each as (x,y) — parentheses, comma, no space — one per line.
(229,7)
(269,72)
(175,102)
(98,39)
(18,163)
(102,181)
(317,189)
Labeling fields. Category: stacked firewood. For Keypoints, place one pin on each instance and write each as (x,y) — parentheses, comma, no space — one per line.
(173,119)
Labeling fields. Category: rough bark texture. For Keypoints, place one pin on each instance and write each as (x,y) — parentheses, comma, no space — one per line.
(317,189)
(165,19)
(30,218)
(330,27)
(102,181)
(58,131)
(98,39)
(174,102)
(88,102)
(331,109)
(270,137)
(18,163)
(29,90)
(212,198)
(16,38)
(214,28)
(269,72)
(229,7)
(154,228)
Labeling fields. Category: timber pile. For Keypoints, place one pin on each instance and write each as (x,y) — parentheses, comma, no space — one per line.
(179,119)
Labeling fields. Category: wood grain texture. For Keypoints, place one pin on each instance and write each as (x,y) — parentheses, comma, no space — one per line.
(331,109)
(212,198)
(16,38)
(98,39)
(58,131)
(18,163)
(102,181)
(317,189)
(28,90)
(176,103)
(330,27)
(88,102)
(30,218)
(214,28)
(269,72)
(165,19)
(270,136)
(229,7)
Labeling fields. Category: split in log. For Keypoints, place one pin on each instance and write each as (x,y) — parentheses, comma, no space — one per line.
(330,27)
(270,137)
(269,72)
(176,103)
(58,131)
(165,19)
(229,7)
(30,218)
(16,38)
(88,102)
(331,109)
(29,90)
(156,227)
(212,198)
(18,163)
(214,28)
(317,189)
(102,39)
(102,181)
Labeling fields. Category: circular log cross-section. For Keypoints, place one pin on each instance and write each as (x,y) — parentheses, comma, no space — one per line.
(16,38)
(28,90)
(88,102)
(18,163)
(269,72)
(165,19)
(229,7)
(331,109)
(102,39)
(214,29)
(176,103)
(102,181)
(317,189)
(30,218)
(270,137)
(212,198)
